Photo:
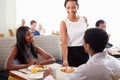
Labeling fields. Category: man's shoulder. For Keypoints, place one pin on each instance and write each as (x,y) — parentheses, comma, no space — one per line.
(113,59)
(83,67)
(36,31)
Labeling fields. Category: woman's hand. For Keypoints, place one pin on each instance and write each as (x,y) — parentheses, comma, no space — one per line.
(32,61)
(65,64)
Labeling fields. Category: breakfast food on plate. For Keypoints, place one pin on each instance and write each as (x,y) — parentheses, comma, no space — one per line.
(37,68)
(40,66)
(68,69)
(115,52)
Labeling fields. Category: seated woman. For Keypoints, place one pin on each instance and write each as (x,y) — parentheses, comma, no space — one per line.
(24,52)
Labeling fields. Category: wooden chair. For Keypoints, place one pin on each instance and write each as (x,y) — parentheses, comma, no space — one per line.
(11,33)
(2,35)
(55,33)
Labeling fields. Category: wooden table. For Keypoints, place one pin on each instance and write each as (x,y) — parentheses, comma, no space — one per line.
(23,74)
(18,75)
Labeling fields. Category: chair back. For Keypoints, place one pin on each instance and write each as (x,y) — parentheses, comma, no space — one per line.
(2,35)
(11,33)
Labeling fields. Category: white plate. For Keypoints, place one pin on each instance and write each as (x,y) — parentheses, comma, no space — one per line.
(35,76)
(37,69)
(30,67)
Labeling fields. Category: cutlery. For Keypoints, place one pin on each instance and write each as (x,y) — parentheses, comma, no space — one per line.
(23,72)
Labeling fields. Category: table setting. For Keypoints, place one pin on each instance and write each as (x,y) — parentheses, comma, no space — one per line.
(35,72)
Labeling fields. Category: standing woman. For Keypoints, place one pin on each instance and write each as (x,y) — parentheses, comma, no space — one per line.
(72,31)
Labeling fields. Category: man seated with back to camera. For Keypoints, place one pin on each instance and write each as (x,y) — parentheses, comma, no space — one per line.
(100,66)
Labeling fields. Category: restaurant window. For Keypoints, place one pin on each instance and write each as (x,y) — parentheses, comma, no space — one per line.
(50,13)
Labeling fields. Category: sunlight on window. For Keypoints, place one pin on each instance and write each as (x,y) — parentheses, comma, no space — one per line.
(45,12)
(50,13)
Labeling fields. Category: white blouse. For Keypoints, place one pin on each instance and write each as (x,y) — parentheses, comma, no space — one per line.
(75,31)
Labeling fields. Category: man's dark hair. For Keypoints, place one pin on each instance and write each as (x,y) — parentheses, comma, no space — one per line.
(71,0)
(96,38)
(33,21)
(99,22)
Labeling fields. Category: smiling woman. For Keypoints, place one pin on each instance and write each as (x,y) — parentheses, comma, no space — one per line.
(50,13)
(24,53)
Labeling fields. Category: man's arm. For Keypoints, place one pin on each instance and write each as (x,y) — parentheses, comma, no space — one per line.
(48,74)
(79,74)
(49,77)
